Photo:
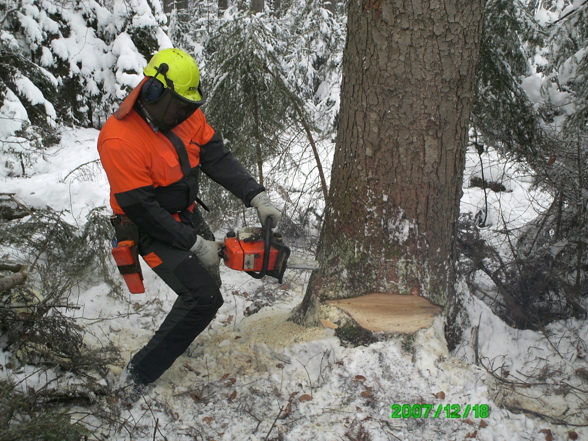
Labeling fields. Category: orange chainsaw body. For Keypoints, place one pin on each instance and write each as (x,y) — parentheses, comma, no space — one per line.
(245,251)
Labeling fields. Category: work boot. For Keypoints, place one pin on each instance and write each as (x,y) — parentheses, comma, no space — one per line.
(130,387)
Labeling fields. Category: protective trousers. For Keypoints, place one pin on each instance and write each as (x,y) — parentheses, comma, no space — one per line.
(198,300)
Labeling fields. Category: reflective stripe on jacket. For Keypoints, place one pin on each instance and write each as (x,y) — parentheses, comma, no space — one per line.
(145,175)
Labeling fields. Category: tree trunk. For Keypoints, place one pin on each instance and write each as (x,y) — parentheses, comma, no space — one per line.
(396,181)
(257,5)
(330,5)
(223,5)
(182,6)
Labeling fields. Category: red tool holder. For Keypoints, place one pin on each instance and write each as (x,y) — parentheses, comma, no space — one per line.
(126,257)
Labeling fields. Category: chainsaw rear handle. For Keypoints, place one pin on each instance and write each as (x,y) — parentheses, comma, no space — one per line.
(266,250)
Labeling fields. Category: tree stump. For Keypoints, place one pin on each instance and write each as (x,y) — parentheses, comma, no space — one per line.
(389,313)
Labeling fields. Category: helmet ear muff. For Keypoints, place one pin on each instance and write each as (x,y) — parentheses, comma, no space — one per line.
(152,90)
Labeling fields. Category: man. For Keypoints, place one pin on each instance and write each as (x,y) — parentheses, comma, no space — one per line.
(152,150)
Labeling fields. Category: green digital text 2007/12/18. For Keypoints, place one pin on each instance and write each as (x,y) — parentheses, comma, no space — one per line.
(439,410)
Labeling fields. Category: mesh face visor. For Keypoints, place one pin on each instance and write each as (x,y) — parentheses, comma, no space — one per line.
(168,109)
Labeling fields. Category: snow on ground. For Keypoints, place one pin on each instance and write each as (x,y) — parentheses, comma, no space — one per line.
(252,375)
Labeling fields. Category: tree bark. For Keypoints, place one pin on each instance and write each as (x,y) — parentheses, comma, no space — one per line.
(396,181)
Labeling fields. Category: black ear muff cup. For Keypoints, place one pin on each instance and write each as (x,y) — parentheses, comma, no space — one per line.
(152,90)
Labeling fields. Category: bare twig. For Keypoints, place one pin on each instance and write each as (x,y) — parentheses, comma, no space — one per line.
(314,149)
(274,423)
(476,342)
(10,11)
(94,161)
(252,415)
(308,132)
(155,429)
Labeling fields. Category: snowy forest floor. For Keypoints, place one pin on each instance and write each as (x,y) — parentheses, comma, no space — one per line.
(253,375)
(261,377)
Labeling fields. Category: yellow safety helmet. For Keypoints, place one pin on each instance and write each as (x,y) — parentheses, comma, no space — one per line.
(181,74)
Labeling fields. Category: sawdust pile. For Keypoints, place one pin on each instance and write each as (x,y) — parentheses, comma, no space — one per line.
(274,330)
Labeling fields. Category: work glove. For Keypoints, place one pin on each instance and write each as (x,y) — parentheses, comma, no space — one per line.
(207,251)
(265,208)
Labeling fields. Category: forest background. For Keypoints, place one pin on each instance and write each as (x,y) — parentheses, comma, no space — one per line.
(271,73)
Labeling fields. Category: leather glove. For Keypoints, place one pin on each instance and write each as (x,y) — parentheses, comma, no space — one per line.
(207,251)
(265,208)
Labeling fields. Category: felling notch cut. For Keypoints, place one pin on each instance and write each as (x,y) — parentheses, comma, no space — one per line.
(391,313)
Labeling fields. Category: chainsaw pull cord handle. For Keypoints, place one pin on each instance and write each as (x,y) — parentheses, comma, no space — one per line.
(266,249)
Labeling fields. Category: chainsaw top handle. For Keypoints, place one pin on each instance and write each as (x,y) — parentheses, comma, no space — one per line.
(266,250)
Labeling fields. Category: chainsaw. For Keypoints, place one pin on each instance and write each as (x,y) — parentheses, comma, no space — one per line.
(259,252)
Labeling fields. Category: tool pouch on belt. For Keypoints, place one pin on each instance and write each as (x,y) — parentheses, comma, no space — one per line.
(126,254)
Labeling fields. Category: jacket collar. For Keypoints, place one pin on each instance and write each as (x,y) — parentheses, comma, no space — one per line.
(129,102)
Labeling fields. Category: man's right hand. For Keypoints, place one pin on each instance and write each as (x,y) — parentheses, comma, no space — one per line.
(207,251)
(266,209)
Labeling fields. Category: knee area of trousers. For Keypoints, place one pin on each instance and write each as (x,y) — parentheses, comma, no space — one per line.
(213,303)
(211,300)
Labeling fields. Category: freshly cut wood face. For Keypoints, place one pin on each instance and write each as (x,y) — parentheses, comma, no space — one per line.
(391,313)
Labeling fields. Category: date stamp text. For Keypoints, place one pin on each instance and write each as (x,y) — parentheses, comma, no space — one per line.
(440,411)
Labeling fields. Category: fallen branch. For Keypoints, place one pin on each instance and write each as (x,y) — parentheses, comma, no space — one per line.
(10,282)
(552,420)
(20,306)
(11,213)
(15,268)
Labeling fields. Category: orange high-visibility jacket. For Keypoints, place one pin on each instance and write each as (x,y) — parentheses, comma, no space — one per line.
(145,174)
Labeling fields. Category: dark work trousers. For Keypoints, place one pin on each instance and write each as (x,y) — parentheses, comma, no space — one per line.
(198,300)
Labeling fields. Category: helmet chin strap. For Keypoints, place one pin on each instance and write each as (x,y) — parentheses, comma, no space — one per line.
(163,69)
